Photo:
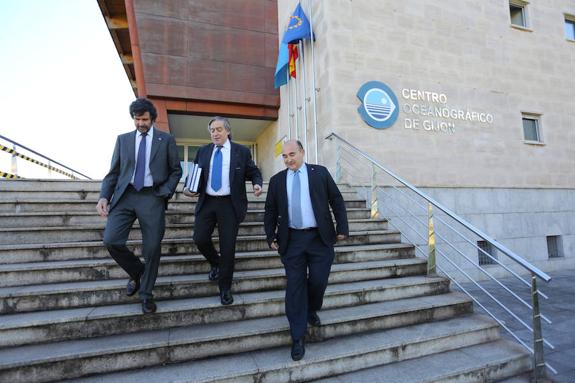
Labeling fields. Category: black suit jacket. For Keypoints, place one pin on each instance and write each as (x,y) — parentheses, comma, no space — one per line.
(242,168)
(164,166)
(323,192)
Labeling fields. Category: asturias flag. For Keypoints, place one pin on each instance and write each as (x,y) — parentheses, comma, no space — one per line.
(298,27)
(293,55)
(280,77)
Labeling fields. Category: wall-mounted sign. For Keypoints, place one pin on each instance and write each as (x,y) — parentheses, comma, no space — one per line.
(423,110)
(379,107)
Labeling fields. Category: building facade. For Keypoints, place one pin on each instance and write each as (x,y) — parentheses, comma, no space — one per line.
(483,112)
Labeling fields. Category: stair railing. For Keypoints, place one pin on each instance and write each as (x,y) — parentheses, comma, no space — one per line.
(430,226)
(40,160)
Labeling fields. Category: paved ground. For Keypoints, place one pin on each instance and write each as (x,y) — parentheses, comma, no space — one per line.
(559,308)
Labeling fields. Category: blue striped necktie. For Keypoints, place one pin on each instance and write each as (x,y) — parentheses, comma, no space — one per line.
(296,216)
(217,165)
(141,164)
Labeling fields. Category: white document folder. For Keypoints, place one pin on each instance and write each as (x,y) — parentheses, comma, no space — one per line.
(193,179)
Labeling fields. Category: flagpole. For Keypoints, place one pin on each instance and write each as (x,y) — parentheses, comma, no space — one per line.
(304,100)
(297,107)
(314,116)
(289,105)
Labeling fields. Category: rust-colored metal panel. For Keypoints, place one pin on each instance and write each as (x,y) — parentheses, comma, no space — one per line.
(209,50)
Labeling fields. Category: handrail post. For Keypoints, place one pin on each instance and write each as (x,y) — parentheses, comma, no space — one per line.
(373,194)
(538,352)
(431,260)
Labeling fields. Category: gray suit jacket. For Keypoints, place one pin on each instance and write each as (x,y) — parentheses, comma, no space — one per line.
(164,166)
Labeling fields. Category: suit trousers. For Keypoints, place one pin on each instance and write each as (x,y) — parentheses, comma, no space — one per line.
(149,209)
(220,211)
(307,262)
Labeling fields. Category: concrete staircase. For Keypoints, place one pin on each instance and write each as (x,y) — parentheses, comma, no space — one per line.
(64,313)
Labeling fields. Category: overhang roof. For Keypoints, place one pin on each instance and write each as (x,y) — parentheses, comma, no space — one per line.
(114,12)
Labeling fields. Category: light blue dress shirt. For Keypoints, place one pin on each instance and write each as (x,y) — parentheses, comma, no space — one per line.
(308,217)
(148,180)
(226,155)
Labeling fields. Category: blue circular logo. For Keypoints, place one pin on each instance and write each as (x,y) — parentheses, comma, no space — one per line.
(379,106)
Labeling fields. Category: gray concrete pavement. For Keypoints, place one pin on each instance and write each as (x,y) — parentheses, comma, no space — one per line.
(559,308)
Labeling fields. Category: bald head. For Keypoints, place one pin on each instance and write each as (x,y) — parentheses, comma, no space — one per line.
(293,154)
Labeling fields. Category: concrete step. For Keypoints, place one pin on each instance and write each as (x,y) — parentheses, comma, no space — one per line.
(23,274)
(323,359)
(94,195)
(79,323)
(44,363)
(51,219)
(46,186)
(46,205)
(94,249)
(33,235)
(18,299)
(486,362)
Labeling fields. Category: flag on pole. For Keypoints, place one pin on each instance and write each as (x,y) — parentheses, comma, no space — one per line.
(293,55)
(280,77)
(298,27)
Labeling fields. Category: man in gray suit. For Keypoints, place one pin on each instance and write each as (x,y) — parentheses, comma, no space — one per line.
(144,173)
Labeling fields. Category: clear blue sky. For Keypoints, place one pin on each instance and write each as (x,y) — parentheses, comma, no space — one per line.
(63,90)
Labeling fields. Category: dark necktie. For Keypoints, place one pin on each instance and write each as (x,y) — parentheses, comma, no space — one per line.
(140,164)
(296,216)
(217,170)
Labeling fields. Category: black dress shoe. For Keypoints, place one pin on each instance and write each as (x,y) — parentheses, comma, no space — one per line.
(148,306)
(214,273)
(133,286)
(226,297)
(297,349)
(313,319)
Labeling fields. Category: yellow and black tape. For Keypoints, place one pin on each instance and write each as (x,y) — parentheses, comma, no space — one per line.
(13,152)
(10,176)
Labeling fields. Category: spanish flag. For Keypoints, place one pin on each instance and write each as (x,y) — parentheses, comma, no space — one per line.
(293,55)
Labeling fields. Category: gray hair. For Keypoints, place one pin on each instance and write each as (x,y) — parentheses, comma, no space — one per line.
(227,125)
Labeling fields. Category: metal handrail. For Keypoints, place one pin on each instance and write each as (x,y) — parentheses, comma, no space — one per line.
(537,350)
(43,156)
(544,276)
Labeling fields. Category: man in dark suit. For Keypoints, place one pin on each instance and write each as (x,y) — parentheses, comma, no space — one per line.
(144,173)
(222,200)
(298,224)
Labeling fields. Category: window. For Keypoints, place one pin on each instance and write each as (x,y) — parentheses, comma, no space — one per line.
(554,246)
(484,259)
(531,130)
(570,27)
(518,13)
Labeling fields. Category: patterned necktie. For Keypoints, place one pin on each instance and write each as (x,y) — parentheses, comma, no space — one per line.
(296,216)
(217,165)
(140,164)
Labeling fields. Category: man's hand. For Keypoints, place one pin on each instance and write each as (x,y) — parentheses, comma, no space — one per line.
(274,245)
(257,190)
(341,237)
(189,193)
(102,207)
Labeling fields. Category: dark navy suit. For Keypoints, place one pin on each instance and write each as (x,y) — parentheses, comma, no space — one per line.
(307,251)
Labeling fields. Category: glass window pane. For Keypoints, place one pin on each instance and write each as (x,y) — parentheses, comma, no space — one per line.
(516,15)
(530,129)
(192,151)
(570,29)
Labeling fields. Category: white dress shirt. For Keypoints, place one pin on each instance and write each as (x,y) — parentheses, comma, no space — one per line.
(308,218)
(148,180)
(226,153)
